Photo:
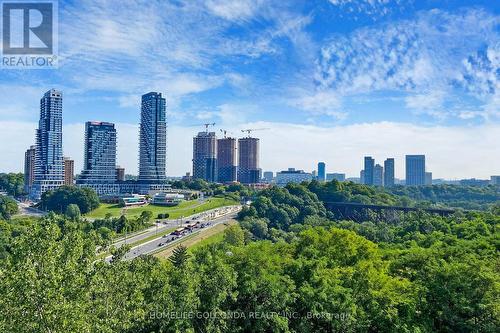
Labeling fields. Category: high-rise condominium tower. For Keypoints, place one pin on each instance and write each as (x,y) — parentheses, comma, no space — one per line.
(226,160)
(378,175)
(153,139)
(248,166)
(29,168)
(49,168)
(99,156)
(368,174)
(415,169)
(321,171)
(389,172)
(205,156)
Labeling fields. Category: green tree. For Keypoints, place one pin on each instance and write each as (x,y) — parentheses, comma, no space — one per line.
(42,281)
(234,235)
(58,200)
(146,216)
(73,212)
(179,256)
(12,183)
(8,207)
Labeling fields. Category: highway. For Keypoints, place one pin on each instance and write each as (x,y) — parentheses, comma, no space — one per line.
(206,221)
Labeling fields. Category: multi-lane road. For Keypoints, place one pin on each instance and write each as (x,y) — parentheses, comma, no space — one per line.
(204,221)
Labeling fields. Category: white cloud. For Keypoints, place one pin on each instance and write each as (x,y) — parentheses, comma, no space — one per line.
(19,102)
(452,152)
(373,8)
(428,57)
(234,10)
(320,103)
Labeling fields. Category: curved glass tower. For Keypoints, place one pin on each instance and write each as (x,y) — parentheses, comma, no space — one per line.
(153,139)
(49,167)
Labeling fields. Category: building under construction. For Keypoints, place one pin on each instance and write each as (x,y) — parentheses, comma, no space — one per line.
(227,160)
(205,156)
(248,164)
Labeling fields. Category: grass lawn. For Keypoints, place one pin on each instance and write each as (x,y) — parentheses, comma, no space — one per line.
(185,208)
(204,237)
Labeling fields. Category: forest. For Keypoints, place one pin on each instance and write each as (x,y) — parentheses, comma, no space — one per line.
(288,266)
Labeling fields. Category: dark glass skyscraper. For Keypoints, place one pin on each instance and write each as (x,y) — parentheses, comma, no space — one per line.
(368,174)
(226,160)
(99,156)
(389,172)
(49,168)
(153,139)
(248,164)
(321,171)
(415,169)
(205,156)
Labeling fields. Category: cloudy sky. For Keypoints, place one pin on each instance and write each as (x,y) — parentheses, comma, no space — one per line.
(333,80)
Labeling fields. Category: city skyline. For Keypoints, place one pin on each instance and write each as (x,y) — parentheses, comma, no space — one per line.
(367,78)
(400,174)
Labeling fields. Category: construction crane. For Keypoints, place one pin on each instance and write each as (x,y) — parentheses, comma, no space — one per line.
(207,125)
(250,130)
(225,132)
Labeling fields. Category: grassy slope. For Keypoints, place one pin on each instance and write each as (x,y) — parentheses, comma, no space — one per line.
(185,208)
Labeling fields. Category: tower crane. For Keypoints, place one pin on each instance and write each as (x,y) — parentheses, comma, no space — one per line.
(225,132)
(250,130)
(207,125)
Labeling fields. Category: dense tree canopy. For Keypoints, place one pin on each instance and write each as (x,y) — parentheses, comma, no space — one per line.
(8,207)
(325,280)
(58,200)
(468,197)
(289,266)
(12,183)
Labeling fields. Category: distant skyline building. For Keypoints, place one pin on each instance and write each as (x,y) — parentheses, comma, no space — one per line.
(205,156)
(321,171)
(29,168)
(428,178)
(120,174)
(362,177)
(415,170)
(49,168)
(378,175)
(69,171)
(368,170)
(268,176)
(227,160)
(335,176)
(389,172)
(249,171)
(153,139)
(99,156)
(495,180)
(292,176)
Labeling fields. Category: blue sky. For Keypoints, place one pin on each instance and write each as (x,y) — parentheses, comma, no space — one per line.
(333,80)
